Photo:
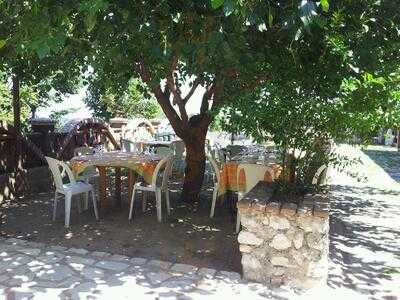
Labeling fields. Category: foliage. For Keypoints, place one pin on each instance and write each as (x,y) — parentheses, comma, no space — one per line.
(25,42)
(57,115)
(28,98)
(135,102)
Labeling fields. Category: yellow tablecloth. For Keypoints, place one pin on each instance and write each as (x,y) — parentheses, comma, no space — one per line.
(143,164)
(229,179)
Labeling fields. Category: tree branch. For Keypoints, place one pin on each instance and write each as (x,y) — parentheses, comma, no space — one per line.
(207,97)
(162,98)
(177,97)
(192,90)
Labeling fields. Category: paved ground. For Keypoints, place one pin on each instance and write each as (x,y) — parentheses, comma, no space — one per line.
(365,226)
(364,255)
(32,270)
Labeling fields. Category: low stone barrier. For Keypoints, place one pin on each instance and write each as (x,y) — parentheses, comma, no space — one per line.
(284,243)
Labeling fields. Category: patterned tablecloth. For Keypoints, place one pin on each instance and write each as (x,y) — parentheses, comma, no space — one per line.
(229,180)
(143,164)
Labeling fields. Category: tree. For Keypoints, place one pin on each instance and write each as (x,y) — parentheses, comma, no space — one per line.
(135,102)
(228,47)
(29,98)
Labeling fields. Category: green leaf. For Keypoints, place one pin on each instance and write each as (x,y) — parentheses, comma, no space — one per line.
(42,51)
(90,21)
(2,43)
(325,5)
(216,3)
(270,18)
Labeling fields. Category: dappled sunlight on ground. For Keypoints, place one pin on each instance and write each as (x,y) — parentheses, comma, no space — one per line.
(187,236)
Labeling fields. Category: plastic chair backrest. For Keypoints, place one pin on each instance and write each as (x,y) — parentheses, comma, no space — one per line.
(59,169)
(253,173)
(82,151)
(166,164)
(163,151)
(215,168)
(318,174)
(235,150)
(130,146)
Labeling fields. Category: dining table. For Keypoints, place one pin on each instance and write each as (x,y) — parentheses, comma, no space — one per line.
(142,164)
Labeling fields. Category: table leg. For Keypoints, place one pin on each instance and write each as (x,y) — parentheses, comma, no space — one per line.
(102,187)
(118,186)
(131,182)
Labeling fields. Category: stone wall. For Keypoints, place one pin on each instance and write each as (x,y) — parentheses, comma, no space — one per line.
(284,243)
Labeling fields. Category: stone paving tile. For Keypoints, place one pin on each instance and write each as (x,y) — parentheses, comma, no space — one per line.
(138,261)
(112,265)
(159,264)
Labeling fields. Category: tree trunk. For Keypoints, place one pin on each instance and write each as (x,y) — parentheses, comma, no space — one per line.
(195,165)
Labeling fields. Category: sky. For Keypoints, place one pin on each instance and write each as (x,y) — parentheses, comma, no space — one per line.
(76,102)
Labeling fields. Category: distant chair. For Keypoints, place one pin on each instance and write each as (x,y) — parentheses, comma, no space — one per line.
(166,165)
(253,174)
(320,177)
(235,150)
(90,173)
(129,146)
(163,151)
(59,169)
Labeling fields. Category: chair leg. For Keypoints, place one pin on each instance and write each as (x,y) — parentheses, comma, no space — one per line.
(158,205)
(131,206)
(238,222)
(214,200)
(55,206)
(167,202)
(67,209)
(79,203)
(96,212)
(144,202)
(86,200)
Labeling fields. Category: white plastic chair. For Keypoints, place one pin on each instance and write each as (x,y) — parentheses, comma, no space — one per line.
(217,180)
(166,164)
(59,169)
(320,175)
(163,151)
(90,171)
(129,146)
(253,174)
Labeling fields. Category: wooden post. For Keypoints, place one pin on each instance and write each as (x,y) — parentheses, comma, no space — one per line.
(20,184)
(398,139)
(118,187)
(102,187)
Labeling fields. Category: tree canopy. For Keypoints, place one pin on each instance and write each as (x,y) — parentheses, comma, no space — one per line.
(231,48)
(136,101)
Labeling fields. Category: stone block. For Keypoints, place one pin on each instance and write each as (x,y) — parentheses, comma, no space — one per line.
(273,208)
(288,209)
(298,239)
(280,242)
(248,238)
(280,261)
(279,222)
(245,248)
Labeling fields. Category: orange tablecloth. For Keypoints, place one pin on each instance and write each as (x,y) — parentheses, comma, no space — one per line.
(229,179)
(143,164)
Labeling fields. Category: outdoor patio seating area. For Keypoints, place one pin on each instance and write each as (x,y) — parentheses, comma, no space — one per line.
(187,150)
